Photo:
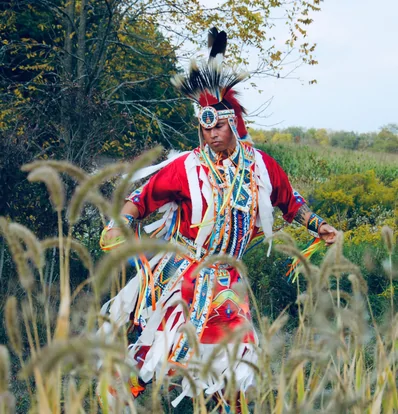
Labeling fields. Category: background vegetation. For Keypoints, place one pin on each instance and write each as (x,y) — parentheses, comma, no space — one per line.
(385,140)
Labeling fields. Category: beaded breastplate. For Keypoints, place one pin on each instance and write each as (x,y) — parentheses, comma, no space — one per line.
(235,200)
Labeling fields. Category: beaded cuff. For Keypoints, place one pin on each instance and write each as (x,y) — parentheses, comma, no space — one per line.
(314,222)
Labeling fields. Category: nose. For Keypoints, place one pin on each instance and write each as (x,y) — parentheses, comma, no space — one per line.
(213,133)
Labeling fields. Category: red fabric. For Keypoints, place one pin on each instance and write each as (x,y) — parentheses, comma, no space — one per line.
(207,99)
(230,97)
(171,184)
(227,317)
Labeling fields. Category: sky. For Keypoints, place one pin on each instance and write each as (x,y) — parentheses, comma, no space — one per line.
(357,74)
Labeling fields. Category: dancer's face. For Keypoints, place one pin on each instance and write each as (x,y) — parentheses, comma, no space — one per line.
(220,138)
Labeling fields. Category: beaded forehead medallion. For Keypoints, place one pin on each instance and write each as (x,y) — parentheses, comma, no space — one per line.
(209,116)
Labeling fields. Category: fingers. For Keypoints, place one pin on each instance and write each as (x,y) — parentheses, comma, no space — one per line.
(111,238)
(328,234)
(329,237)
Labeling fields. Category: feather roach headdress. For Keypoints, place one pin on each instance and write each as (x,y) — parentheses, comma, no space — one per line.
(211,85)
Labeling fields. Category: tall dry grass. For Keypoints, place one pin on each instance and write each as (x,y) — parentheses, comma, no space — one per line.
(338,360)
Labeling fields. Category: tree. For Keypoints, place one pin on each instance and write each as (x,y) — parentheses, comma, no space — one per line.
(387,139)
(344,139)
(261,135)
(80,78)
(297,133)
(282,138)
(321,136)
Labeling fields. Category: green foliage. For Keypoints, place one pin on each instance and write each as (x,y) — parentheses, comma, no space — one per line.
(321,136)
(387,139)
(344,139)
(310,165)
(384,141)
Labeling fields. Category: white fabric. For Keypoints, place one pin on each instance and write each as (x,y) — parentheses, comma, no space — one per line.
(191,164)
(223,366)
(145,172)
(120,307)
(265,217)
(168,209)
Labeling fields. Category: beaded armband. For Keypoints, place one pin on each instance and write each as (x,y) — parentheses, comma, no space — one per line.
(314,223)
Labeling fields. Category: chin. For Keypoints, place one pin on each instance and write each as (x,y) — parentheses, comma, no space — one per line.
(218,149)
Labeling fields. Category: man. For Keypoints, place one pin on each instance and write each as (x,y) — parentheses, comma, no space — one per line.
(217,199)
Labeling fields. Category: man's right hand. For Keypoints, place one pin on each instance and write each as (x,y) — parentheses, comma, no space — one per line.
(108,239)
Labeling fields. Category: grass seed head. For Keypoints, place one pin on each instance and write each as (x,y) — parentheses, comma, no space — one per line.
(34,250)
(388,237)
(54,185)
(13,325)
(61,166)
(90,186)
(4,369)
(125,183)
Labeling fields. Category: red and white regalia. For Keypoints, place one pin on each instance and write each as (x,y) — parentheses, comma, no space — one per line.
(211,206)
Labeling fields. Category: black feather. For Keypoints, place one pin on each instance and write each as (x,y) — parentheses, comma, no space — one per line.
(211,37)
(219,45)
(212,77)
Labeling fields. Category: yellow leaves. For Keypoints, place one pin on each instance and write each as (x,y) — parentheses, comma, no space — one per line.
(282,137)
(305,21)
(18,93)
(41,67)
(41,27)
(276,56)
(363,234)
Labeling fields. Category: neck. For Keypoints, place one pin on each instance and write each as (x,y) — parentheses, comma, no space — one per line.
(222,155)
(227,153)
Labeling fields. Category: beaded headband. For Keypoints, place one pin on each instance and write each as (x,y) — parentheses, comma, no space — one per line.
(209,116)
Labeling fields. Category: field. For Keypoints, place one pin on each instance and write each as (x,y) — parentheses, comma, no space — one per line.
(328,341)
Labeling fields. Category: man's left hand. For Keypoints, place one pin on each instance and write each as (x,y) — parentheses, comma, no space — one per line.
(327,233)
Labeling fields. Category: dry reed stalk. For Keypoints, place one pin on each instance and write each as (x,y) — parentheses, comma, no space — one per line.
(76,246)
(57,195)
(7,400)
